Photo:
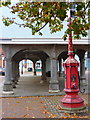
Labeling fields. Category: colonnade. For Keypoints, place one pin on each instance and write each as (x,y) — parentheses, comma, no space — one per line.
(12,72)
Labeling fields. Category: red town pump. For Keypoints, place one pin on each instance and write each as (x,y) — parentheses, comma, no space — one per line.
(71,101)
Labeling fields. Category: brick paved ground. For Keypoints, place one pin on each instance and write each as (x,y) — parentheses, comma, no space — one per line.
(38,107)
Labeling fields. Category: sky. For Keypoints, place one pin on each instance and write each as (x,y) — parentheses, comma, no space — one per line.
(14,31)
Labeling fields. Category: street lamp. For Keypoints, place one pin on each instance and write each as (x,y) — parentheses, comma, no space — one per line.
(71,101)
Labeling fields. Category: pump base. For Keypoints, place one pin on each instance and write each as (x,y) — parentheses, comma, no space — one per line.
(73,109)
(72,101)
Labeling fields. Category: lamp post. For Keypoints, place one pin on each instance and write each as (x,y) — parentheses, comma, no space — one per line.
(71,101)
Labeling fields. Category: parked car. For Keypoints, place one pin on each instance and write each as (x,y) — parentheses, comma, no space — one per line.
(2,71)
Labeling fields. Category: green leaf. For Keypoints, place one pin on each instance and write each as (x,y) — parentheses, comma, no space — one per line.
(35,14)
(6,3)
(40,33)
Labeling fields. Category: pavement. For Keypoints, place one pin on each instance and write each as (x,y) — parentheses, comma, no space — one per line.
(38,107)
(30,85)
(32,100)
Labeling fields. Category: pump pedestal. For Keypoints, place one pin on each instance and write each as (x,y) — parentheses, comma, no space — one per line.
(71,101)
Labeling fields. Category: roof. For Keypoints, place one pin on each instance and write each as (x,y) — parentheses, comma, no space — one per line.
(41,41)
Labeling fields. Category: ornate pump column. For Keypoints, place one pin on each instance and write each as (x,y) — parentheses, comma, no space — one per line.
(71,101)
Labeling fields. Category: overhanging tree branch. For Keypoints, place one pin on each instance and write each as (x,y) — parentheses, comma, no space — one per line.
(36,15)
(87,6)
(18,24)
(42,27)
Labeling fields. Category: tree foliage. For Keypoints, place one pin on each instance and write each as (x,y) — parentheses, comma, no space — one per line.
(36,15)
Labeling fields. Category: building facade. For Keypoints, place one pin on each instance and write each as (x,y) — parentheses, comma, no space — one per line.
(50,51)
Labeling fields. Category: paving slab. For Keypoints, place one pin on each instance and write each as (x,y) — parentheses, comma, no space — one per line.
(29,85)
(32,100)
(39,107)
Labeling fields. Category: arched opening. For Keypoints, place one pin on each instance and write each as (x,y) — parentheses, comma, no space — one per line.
(77,58)
(32,69)
(26,67)
(61,58)
(82,56)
